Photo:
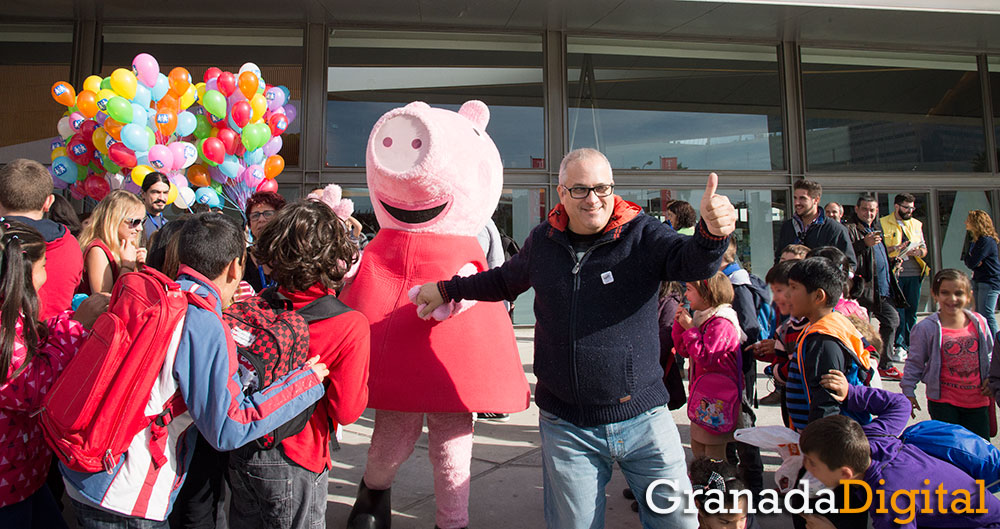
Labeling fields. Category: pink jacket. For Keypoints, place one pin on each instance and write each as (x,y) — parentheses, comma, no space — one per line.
(24,456)
(714,346)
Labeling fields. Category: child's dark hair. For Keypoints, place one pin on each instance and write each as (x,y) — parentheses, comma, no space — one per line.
(951,274)
(714,474)
(159,244)
(208,242)
(20,247)
(62,211)
(798,250)
(778,274)
(817,273)
(306,244)
(852,284)
(838,441)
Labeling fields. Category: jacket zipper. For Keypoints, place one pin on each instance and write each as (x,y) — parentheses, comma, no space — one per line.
(572,314)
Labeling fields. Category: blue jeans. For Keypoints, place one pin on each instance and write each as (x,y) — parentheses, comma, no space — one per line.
(910,286)
(272,492)
(38,511)
(986,304)
(577,463)
(88,517)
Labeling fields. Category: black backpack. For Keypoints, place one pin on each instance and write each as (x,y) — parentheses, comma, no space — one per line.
(272,339)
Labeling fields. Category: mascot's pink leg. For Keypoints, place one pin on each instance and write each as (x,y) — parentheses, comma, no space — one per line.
(450,446)
(393,438)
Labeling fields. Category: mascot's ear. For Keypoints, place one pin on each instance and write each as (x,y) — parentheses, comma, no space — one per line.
(477,112)
(417,105)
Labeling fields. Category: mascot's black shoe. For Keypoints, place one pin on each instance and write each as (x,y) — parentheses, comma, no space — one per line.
(372,509)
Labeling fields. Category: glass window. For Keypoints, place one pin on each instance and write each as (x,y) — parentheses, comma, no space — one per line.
(955,207)
(994,65)
(32,59)
(760,214)
(880,111)
(372,72)
(668,106)
(278,53)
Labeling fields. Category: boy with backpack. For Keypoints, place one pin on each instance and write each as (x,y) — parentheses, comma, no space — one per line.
(907,479)
(195,385)
(281,483)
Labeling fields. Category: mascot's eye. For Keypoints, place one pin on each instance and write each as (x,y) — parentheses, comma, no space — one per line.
(477,132)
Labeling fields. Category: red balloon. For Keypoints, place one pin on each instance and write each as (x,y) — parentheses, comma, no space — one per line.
(96,187)
(211,73)
(267,186)
(122,155)
(230,139)
(241,113)
(219,123)
(78,150)
(226,83)
(87,131)
(278,124)
(214,150)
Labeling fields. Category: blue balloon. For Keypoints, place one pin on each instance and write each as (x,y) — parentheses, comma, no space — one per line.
(64,169)
(231,166)
(186,123)
(139,114)
(254,157)
(142,158)
(160,88)
(232,125)
(142,95)
(135,137)
(207,196)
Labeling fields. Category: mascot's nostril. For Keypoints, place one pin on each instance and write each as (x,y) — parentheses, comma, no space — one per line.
(416,144)
(387,141)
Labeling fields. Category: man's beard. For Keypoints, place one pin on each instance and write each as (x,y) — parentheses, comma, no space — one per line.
(906,215)
(158,206)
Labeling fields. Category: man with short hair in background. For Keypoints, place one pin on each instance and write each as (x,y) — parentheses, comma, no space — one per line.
(809,224)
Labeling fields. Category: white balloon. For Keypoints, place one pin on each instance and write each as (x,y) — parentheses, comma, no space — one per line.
(249,67)
(64,127)
(185,197)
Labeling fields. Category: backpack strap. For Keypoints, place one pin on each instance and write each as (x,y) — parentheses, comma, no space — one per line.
(323,308)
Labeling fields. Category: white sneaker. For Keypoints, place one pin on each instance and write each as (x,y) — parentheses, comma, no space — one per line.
(898,355)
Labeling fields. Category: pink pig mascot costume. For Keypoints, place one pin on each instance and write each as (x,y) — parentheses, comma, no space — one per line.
(435,178)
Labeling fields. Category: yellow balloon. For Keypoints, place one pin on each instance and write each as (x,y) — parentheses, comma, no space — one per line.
(189,97)
(259,105)
(103,96)
(200,89)
(101,140)
(123,82)
(57,152)
(139,173)
(92,83)
(172,194)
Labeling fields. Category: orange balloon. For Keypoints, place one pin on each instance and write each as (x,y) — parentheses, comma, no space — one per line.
(197,175)
(166,122)
(64,94)
(248,84)
(180,80)
(86,101)
(273,165)
(113,128)
(168,102)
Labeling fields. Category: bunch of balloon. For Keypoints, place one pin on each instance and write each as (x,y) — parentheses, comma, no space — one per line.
(216,140)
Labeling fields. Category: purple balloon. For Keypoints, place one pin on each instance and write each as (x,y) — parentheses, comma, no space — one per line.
(290,112)
(131,186)
(58,183)
(100,117)
(217,175)
(273,146)
(212,84)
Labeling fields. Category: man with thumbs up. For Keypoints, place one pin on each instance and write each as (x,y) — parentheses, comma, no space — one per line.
(596,265)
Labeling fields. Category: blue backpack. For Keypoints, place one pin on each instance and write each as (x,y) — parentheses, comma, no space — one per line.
(958,446)
(766,317)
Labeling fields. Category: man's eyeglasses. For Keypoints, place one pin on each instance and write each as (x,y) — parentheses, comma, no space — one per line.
(579,192)
(907,208)
(266,215)
(133,223)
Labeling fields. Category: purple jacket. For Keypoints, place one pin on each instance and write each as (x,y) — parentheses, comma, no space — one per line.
(905,467)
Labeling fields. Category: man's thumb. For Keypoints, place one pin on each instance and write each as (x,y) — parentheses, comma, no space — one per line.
(712,184)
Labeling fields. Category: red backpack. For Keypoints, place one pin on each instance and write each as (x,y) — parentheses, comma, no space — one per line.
(272,339)
(96,407)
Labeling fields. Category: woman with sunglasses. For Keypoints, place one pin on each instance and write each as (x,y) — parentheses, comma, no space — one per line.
(111,241)
(261,208)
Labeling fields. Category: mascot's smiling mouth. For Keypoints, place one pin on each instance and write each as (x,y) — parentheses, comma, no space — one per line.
(411,216)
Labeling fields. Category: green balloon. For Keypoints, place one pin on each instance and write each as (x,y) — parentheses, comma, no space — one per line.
(111,166)
(120,109)
(215,103)
(81,172)
(150,137)
(106,83)
(250,137)
(217,187)
(202,128)
(265,135)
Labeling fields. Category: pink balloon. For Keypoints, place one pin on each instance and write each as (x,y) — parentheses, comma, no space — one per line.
(145,68)
(161,158)
(253,175)
(273,146)
(268,185)
(177,151)
(178,180)
(76,119)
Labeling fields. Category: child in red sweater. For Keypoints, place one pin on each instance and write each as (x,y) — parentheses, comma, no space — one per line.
(308,251)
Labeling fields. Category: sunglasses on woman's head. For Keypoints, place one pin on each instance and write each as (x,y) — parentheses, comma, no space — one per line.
(132,223)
